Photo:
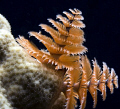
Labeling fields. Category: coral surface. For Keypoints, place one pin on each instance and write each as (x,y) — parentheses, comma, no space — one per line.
(24,83)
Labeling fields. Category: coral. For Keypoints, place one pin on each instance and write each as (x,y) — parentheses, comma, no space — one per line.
(67,52)
(24,83)
(59,103)
(4,24)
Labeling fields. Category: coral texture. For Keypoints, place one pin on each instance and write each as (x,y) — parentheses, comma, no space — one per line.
(4,24)
(24,83)
(66,52)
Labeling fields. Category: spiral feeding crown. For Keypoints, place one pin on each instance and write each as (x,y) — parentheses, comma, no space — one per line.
(65,51)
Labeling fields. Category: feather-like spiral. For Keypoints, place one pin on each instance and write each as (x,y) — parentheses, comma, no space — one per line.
(66,52)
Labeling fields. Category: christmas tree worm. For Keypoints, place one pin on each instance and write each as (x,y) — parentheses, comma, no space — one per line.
(66,52)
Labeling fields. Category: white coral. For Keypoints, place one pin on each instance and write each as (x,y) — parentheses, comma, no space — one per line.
(24,83)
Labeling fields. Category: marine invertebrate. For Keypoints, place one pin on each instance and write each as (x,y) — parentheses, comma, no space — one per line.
(25,83)
(67,52)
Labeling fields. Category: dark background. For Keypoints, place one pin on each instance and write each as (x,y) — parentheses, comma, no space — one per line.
(102,32)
